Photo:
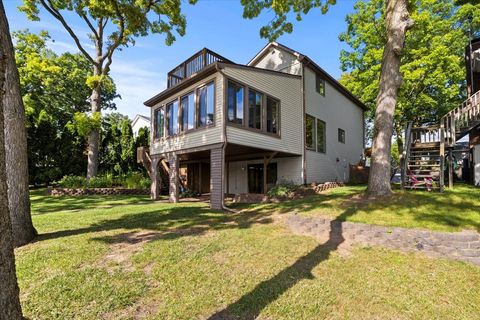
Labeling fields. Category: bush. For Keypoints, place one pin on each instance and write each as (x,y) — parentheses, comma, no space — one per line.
(282,189)
(133,180)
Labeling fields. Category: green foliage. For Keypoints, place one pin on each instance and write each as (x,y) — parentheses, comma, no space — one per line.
(282,189)
(71,181)
(283,10)
(131,180)
(84,123)
(136,180)
(432,63)
(53,88)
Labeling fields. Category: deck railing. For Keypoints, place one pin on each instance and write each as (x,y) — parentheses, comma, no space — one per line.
(461,118)
(193,65)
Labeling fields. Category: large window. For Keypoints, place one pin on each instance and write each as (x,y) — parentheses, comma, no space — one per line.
(310,132)
(272,115)
(172,118)
(158,123)
(235,103)
(188,112)
(206,105)
(320,84)
(321,137)
(254,109)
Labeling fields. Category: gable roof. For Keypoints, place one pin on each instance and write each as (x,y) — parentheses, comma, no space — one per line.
(310,63)
(138,117)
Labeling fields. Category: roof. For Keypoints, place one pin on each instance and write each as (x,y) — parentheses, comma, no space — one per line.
(309,62)
(139,116)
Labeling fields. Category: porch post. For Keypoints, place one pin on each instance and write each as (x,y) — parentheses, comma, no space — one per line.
(217,163)
(156,181)
(173,177)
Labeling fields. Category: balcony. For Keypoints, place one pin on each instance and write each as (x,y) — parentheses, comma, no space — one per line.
(193,65)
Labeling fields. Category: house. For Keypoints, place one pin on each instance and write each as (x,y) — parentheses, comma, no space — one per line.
(139,122)
(226,128)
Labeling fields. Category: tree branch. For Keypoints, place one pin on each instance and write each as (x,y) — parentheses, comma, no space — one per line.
(55,13)
(111,48)
(89,25)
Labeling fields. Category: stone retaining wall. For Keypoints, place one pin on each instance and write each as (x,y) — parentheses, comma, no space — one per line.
(463,245)
(95,191)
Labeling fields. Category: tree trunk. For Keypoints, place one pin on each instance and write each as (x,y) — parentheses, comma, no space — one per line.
(398,133)
(397,22)
(94,136)
(9,293)
(16,158)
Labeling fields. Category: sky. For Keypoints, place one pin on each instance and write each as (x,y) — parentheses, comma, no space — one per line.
(140,71)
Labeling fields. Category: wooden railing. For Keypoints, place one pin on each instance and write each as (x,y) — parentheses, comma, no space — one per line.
(430,134)
(193,65)
(461,118)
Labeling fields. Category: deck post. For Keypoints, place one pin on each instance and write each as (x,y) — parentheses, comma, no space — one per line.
(156,181)
(173,177)
(217,164)
(442,156)
(450,170)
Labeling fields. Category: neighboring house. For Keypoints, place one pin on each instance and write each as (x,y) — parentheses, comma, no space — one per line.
(244,128)
(140,122)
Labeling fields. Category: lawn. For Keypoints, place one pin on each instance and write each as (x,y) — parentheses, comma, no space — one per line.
(125,258)
(452,210)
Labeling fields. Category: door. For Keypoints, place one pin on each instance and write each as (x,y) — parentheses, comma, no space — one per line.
(255,177)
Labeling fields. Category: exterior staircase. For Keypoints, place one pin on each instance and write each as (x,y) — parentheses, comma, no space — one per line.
(428,148)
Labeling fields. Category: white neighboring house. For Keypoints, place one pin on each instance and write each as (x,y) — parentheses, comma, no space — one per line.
(228,128)
(140,122)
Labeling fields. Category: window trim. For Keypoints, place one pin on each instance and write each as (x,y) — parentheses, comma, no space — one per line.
(197,104)
(155,128)
(263,105)
(245,126)
(340,130)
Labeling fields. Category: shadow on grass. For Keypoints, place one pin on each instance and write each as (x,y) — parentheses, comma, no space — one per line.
(250,305)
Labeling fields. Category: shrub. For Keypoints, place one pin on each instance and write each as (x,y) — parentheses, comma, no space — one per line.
(133,180)
(105,181)
(73,182)
(282,189)
(136,180)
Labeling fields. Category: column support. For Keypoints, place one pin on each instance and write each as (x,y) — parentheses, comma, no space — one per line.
(217,164)
(173,177)
(156,180)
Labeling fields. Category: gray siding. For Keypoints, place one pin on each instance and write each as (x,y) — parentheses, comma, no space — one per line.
(284,88)
(280,60)
(338,112)
(196,138)
(216,178)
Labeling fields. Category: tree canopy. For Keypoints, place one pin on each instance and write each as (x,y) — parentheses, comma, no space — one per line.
(432,63)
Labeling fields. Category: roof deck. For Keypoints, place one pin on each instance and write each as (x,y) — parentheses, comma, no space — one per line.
(193,65)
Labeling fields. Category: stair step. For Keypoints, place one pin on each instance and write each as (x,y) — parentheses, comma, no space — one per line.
(422,187)
(422,176)
(423,165)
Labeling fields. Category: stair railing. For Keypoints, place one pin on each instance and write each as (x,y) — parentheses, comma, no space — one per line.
(406,152)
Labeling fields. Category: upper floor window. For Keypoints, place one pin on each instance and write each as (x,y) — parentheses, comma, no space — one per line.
(272,115)
(206,105)
(187,104)
(235,97)
(341,135)
(158,124)
(309,132)
(320,84)
(321,136)
(255,100)
(172,118)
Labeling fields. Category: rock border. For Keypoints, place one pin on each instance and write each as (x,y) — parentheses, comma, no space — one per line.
(56,192)
(464,245)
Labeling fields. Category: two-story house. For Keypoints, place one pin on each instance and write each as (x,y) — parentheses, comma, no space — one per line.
(225,128)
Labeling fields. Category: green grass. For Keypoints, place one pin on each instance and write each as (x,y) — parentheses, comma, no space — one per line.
(453,210)
(125,258)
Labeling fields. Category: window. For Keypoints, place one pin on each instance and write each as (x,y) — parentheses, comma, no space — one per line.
(321,137)
(341,135)
(188,112)
(206,105)
(320,84)
(272,115)
(310,132)
(172,118)
(235,103)
(254,109)
(158,123)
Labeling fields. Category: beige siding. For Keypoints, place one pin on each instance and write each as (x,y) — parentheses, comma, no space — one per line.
(288,170)
(284,88)
(280,60)
(338,112)
(196,138)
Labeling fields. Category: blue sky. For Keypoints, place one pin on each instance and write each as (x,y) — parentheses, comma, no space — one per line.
(140,71)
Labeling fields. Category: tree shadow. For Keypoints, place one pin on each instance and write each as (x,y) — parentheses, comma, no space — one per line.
(250,305)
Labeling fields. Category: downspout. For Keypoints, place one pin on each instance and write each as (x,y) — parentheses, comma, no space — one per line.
(224,136)
(303,124)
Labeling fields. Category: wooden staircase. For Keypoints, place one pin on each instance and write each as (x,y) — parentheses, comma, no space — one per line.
(428,148)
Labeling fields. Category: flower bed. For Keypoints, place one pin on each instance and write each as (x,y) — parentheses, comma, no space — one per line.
(95,191)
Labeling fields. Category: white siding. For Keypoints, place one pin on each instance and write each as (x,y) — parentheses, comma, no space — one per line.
(338,112)
(284,88)
(140,123)
(288,170)
(196,138)
(280,60)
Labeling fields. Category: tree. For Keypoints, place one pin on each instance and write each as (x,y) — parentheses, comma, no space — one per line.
(126,20)
(53,89)
(432,64)
(9,294)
